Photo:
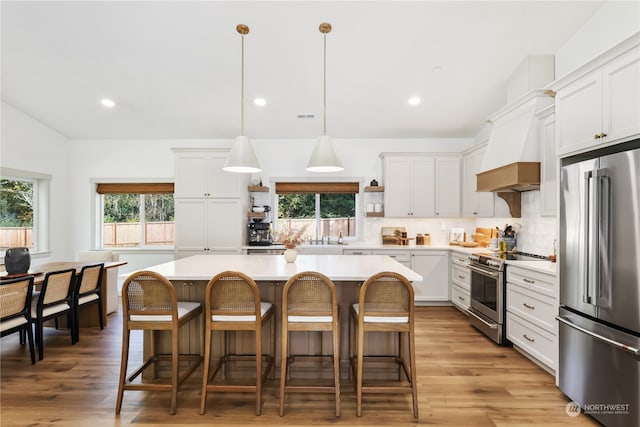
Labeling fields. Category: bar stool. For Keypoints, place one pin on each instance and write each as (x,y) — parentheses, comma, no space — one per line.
(309,303)
(232,303)
(385,304)
(149,303)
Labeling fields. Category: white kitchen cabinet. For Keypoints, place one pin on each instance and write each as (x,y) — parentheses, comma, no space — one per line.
(460,281)
(531,311)
(549,166)
(207,226)
(474,203)
(409,190)
(601,106)
(448,186)
(356,252)
(403,257)
(433,266)
(199,174)
(420,186)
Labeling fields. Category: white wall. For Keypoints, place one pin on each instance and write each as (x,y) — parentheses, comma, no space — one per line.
(29,145)
(614,22)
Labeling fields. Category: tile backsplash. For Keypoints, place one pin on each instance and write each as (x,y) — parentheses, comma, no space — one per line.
(535,233)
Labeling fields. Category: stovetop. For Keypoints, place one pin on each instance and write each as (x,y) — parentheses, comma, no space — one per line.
(512,256)
(496,259)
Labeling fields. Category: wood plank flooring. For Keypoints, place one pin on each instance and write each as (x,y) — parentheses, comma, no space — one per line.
(463,380)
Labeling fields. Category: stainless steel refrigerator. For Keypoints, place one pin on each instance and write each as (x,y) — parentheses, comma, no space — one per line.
(599,271)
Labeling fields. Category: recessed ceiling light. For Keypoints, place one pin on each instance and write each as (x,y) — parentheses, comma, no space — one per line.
(437,69)
(260,102)
(414,100)
(108,103)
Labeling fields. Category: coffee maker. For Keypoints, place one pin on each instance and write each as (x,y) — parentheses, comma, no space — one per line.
(259,233)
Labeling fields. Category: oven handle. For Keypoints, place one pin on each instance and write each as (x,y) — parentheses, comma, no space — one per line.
(489,325)
(488,273)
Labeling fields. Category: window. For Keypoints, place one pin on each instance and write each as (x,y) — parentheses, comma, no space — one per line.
(23,210)
(137,215)
(327,209)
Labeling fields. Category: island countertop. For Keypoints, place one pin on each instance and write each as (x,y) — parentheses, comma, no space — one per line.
(275,268)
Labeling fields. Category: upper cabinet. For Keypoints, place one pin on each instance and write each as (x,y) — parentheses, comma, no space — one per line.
(599,103)
(199,174)
(549,165)
(421,186)
(474,203)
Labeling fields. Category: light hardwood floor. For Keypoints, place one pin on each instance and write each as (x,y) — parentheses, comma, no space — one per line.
(463,380)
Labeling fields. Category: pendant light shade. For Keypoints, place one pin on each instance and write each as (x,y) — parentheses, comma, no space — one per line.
(242,157)
(324,157)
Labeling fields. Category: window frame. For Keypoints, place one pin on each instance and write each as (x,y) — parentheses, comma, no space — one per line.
(331,185)
(119,186)
(41,207)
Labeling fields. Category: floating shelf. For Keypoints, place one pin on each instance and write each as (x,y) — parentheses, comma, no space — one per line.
(378,214)
(376,189)
(257,214)
(258,189)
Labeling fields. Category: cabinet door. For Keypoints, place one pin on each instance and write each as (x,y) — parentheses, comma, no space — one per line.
(579,114)
(549,167)
(221,183)
(397,195)
(474,203)
(448,187)
(422,187)
(621,97)
(224,224)
(190,226)
(190,175)
(433,266)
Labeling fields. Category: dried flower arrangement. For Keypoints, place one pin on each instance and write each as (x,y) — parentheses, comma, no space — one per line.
(290,237)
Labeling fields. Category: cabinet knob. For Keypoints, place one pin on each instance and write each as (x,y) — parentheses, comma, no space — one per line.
(603,135)
(475,213)
(597,136)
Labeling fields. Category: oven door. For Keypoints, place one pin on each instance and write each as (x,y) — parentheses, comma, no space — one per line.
(487,292)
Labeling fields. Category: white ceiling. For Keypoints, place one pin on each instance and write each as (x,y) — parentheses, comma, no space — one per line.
(173,67)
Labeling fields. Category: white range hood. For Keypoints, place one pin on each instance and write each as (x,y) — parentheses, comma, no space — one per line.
(512,158)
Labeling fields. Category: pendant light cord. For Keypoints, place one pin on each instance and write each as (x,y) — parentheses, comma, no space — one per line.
(324,83)
(242,91)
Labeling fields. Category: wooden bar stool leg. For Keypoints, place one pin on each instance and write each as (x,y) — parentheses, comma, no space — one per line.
(336,365)
(284,350)
(124,361)
(205,369)
(359,363)
(175,364)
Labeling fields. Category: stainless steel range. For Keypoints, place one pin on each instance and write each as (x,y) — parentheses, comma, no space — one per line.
(488,290)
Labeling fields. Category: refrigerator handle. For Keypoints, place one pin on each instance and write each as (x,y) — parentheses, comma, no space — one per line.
(602,250)
(625,347)
(588,266)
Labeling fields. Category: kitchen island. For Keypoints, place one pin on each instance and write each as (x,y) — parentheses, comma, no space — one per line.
(191,275)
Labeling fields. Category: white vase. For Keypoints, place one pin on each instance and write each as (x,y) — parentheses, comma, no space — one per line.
(290,255)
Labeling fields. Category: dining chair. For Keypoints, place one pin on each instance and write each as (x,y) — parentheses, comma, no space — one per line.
(88,291)
(54,300)
(232,303)
(385,304)
(15,310)
(309,303)
(150,303)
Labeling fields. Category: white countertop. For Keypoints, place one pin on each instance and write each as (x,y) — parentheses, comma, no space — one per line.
(270,267)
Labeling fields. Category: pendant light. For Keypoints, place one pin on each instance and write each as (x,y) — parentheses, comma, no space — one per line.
(324,157)
(242,157)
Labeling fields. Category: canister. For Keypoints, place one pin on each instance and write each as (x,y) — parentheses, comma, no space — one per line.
(420,239)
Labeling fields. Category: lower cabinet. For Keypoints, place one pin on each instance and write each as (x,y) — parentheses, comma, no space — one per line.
(460,281)
(531,312)
(433,266)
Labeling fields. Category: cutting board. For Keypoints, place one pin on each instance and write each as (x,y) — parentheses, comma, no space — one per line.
(392,235)
(483,236)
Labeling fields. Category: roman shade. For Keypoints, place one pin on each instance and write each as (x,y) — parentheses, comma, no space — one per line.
(317,187)
(136,188)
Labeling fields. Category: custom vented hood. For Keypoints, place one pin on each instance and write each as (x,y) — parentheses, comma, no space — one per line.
(512,158)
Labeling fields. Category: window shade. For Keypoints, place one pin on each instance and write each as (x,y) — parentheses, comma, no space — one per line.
(317,187)
(136,188)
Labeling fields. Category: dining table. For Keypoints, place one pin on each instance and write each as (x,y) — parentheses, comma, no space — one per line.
(88,317)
